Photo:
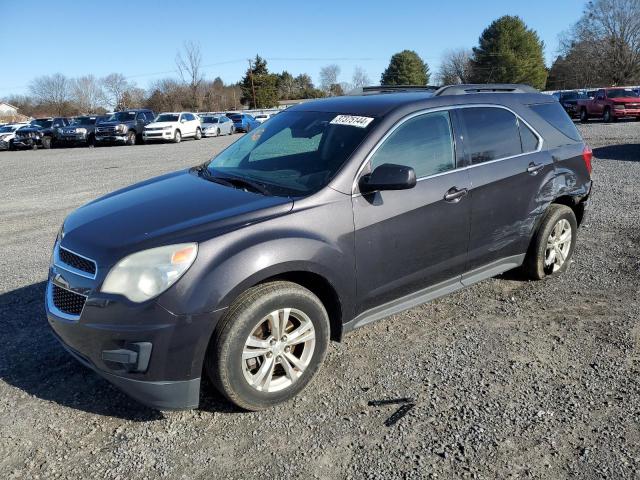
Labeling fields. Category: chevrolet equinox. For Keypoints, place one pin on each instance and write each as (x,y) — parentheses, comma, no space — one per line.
(331,215)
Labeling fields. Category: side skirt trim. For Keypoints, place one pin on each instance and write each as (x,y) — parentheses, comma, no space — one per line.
(435,291)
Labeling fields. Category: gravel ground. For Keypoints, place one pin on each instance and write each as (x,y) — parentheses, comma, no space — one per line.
(509,378)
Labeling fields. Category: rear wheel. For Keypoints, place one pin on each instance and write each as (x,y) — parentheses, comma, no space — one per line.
(269,345)
(177,137)
(584,116)
(552,246)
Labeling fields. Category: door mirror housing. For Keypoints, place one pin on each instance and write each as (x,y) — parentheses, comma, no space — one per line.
(388,177)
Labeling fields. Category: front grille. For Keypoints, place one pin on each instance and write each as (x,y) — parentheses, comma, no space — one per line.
(67,301)
(76,261)
(105,130)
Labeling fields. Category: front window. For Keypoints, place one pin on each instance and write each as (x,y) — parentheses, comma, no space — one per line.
(167,117)
(122,117)
(42,123)
(296,153)
(622,93)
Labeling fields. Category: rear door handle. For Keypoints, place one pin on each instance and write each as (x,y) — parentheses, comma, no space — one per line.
(454,194)
(533,168)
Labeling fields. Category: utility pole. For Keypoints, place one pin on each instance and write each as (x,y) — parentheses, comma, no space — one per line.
(253,88)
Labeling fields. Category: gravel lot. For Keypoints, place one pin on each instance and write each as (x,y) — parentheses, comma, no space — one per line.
(510,378)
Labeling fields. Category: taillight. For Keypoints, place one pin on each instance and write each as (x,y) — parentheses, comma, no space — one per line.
(587,155)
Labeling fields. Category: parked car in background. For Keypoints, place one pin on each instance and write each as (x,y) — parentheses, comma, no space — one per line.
(81,130)
(41,132)
(173,126)
(611,104)
(124,127)
(569,101)
(334,214)
(7,133)
(243,122)
(214,125)
(262,117)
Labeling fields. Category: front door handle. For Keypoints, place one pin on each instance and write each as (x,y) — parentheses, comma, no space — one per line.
(454,194)
(533,167)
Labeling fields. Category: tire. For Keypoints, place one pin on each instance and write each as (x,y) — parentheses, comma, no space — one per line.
(218,132)
(177,136)
(584,116)
(198,134)
(46,143)
(131,138)
(248,129)
(539,262)
(232,130)
(238,379)
(606,117)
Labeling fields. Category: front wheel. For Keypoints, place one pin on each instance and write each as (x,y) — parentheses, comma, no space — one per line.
(232,130)
(131,138)
(607,115)
(177,137)
(46,142)
(552,246)
(198,134)
(269,346)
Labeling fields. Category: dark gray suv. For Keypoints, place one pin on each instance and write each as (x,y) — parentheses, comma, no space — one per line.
(331,215)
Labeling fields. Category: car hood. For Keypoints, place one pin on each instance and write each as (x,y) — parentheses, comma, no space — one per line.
(114,123)
(206,125)
(160,124)
(174,208)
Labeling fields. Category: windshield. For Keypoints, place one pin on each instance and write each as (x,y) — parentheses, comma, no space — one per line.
(42,123)
(167,117)
(294,154)
(622,93)
(122,117)
(209,119)
(7,129)
(83,121)
(236,118)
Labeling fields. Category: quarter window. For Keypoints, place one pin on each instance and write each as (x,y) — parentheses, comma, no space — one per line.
(527,138)
(424,143)
(490,134)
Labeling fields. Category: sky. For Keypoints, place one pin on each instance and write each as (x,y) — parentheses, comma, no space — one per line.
(140,39)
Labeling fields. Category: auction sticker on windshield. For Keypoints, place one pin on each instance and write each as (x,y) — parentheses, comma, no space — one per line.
(352,120)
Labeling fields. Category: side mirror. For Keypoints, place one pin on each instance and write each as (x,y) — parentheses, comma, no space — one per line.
(388,177)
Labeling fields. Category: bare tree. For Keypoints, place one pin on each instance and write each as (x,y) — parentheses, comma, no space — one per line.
(609,34)
(54,90)
(115,85)
(189,63)
(360,78)
(329,77)
(88,93)
(455,67)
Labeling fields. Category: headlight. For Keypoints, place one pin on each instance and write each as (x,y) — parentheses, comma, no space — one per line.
(619,106)
(121,128)
(81,130)
(144,275)
(167,128)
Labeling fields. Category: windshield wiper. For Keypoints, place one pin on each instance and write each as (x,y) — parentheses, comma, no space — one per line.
(234,182)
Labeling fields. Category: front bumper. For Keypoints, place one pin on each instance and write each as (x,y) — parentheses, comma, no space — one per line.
(157,135)
(627,112)
(114,138)
(29,142)
(72,139)
(110,327)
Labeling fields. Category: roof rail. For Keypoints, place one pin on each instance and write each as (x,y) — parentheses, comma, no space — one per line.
(375,89)
(485,88)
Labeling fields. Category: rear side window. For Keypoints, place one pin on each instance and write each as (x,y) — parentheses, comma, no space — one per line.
(528,138)
(555,115)
(424,143)
(491,133)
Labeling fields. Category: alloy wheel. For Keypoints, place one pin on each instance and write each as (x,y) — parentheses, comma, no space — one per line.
(278,350)
(558,246)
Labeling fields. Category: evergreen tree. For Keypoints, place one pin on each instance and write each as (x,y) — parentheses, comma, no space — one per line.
(509,52)
(264,84)
(406,68)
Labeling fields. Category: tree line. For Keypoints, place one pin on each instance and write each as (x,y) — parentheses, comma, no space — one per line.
(601,49)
